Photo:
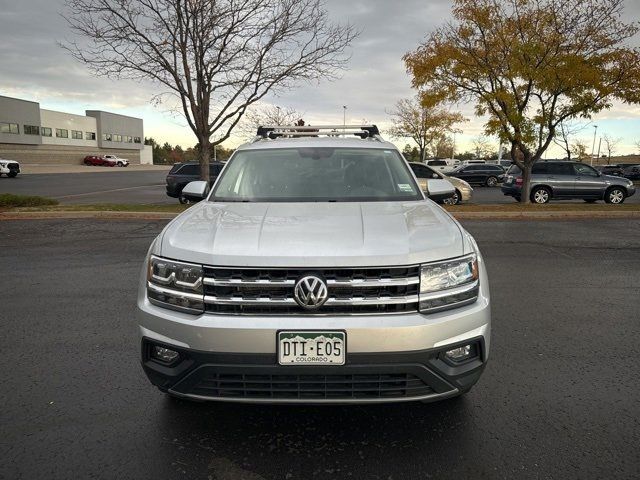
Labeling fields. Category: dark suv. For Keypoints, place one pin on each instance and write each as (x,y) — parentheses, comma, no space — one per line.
(615,170)
(183,173)
(551,180)
(632,172)
(479,174)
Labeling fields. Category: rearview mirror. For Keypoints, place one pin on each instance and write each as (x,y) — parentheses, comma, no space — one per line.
(195,191)
(439,189)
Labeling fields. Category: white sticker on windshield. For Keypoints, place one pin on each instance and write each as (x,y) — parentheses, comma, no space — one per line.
(405,187)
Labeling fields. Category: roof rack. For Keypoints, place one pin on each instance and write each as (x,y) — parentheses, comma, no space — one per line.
(275,131)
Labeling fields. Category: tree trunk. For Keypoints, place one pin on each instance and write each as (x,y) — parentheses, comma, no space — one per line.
(203,157)
(525,192)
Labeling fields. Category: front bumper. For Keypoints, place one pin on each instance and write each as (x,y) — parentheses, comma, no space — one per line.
(366,377)
(465,193)
(382,350)
(511,190)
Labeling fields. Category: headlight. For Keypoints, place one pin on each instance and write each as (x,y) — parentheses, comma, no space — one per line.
(449,284)
(175,285)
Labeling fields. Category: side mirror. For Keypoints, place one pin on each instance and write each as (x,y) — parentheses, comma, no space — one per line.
(435,175)
(439,189)
(195,191)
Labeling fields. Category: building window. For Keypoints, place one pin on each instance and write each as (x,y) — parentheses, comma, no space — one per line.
(9,128)
(31,130)
(45,131)
(117,138)
(62,133)
(106,137)
(128,139)
(90,135)
(76,134)
(136,139)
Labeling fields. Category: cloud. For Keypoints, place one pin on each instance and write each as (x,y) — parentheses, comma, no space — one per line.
(34,67)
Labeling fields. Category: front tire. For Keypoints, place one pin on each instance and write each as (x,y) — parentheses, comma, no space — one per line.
(182,200)
(491,182)
(455,199)
(540,195)
(615,195)
(120,164)
(12,174)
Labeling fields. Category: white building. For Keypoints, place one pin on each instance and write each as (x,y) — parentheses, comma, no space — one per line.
(30,134)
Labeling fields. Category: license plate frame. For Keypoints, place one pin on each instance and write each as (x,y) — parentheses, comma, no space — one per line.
(311,339)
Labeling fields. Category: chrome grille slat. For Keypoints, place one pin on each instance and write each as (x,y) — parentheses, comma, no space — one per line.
(270,291)
(330,301)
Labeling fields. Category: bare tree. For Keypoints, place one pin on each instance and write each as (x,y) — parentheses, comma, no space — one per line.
(565,132)
(481,147)
(268,115)
(217,57)
(424,125)
(610,145)
(638,145)
(579,150)
(444,147)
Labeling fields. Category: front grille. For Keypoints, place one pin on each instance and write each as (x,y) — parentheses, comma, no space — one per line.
(308,387)
(351,291)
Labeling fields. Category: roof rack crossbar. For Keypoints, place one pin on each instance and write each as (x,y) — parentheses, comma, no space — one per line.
(275,131)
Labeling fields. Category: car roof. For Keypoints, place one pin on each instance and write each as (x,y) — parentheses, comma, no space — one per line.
(197,163)
(311,142)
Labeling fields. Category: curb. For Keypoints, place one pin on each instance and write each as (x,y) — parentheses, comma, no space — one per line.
(543,215)
(108,215)
(105,215)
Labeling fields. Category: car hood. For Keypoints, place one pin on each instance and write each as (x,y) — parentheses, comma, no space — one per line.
(312,234)
(614,179)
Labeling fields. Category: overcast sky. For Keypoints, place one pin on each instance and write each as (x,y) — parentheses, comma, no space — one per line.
(33,67)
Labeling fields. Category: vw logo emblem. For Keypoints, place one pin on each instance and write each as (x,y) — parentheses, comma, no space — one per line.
(310,292)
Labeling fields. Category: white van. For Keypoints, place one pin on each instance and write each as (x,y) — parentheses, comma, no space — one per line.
(444,165)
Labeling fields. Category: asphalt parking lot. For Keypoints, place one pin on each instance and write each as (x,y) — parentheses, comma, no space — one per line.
(559,397)
(120,186)
(148,187)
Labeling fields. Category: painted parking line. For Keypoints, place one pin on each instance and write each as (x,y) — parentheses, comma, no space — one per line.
(108,191)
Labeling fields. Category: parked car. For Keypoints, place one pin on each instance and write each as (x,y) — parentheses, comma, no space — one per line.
(10,168)
(615,170)
(462,192)
(183,173)
(444,165)
(505,164)
(120,162)
(551,180)
(315,271)
(97,160)
(632,172)
(474,162)
(479,174)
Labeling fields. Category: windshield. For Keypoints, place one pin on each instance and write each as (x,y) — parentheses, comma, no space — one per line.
(319,174)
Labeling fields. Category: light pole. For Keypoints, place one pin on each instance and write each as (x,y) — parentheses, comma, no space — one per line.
(593,147)
(344,118)
(279,117)
(453,149)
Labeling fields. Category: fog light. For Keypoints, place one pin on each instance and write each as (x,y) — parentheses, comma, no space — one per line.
(461,353)
(165,355)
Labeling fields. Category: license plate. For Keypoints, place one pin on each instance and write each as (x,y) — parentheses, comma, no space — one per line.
(311,348)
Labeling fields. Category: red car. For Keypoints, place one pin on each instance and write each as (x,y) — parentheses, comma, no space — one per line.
(95,160)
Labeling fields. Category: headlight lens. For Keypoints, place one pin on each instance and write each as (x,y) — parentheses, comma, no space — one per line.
(449,284)
(175,285)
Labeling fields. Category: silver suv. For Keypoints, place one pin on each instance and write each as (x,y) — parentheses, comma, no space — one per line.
(315,271)
(563,180)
